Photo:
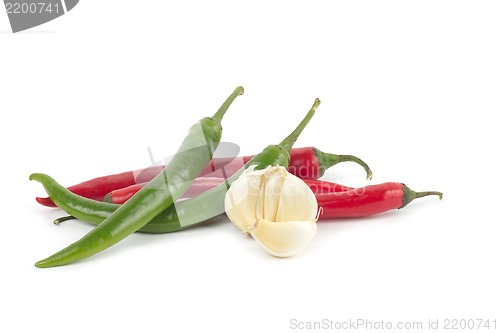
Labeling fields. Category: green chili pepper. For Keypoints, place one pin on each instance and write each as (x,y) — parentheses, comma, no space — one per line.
(194,153)
(183,214)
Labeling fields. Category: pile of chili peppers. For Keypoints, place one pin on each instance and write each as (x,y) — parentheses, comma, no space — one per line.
(191,188)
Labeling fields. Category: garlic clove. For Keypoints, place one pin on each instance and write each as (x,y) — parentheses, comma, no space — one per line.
(284,239)
(297,201)
(276,208)
(273,180)
(241,199)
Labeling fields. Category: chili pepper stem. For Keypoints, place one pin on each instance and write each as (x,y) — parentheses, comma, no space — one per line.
(424,194)
(107,198)
(288,142)
(63,219)
(351,158)
(410,195)
(225,106)
(328,160)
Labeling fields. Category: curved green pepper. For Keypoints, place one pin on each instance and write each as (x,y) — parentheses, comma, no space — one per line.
(194,153)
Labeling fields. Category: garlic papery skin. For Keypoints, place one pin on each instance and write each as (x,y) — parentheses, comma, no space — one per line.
(275,207)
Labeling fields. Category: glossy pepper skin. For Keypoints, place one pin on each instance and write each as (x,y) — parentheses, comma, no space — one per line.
(368,200)
(193,154)
(183,214)
(337,201)
(305,163)
(202,184)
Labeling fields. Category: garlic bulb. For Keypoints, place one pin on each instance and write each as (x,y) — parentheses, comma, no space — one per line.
(275,207)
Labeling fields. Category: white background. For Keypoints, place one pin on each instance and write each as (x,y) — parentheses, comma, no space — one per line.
(412,87)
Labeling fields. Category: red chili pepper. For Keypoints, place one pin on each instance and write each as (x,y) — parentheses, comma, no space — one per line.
(306,163)
(202,184)
(311,163)
(334,200)
(368,200)
(97,188)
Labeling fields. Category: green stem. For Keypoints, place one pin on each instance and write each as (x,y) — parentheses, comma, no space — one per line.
(424,194)
(327,160)
(222,110)
(410,195)
(63,219)
(290,140)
